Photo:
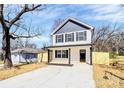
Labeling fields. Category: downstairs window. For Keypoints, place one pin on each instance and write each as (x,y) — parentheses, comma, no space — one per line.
(61,53)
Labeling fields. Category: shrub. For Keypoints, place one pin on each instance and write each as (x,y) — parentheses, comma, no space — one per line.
(121,53)
(1,56)
(112,55)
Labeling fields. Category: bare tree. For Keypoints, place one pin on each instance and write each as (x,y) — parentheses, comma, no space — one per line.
(118,40)
(22,43)
(56,23)
(12,18)
(105,38)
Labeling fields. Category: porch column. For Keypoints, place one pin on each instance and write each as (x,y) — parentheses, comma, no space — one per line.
(91,50)
(48,56)
(69,56)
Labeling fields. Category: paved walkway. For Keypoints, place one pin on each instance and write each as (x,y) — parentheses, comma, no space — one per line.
(77,76)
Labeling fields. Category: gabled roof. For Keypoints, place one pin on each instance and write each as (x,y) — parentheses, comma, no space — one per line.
(72,20)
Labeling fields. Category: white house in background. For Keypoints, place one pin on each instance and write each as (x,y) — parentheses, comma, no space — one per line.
(24,55)
(71,43)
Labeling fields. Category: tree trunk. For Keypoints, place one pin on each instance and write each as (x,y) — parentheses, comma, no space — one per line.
(6,49)
(117,52)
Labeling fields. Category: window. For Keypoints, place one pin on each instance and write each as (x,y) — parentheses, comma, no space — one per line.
(15,55)
(80,36)
(69,37)
(61,53)
(59,38)
(27,56)
(33,55)
(57,53)
(64,53)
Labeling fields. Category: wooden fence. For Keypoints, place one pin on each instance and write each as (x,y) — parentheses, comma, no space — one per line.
(43,57)
(100,58)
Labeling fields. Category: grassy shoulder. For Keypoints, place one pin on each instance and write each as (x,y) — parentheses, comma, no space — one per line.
(101,81)
(20,69)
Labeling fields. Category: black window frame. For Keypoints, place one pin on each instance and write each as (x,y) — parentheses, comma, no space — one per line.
(81,36)
(56,54)
(62,54)
(69,37)
(59,38)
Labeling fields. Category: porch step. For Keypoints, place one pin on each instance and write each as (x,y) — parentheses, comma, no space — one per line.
(59,64)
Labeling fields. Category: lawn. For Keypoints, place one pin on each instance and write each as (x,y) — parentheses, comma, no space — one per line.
(1,62)
(20,69)
(109,76)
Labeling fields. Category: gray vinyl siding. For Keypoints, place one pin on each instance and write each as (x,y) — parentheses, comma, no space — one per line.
(70,27)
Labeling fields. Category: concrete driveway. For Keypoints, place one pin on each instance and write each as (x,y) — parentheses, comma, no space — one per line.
(77,76)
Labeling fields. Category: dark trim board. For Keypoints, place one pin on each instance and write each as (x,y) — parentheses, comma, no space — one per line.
(91,51)
(69,45)
(48,56)
(69,61)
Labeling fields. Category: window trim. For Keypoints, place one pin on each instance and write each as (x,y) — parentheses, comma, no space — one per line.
(58,38)
(61,54)
(57,53)
(65,53)
(78,36)
(70,37)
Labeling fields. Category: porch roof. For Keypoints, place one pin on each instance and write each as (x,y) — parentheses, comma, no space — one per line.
(69,45)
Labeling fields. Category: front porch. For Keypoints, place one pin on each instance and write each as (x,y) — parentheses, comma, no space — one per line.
(54,58)
(69,55)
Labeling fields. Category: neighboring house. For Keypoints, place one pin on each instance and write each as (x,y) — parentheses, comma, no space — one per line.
(24,55)
(71,43)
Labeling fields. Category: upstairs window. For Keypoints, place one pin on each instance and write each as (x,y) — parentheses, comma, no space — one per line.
(81,36)
(59,38)
(69,37)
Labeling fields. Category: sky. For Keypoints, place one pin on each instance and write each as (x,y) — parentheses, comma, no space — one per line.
(94,15)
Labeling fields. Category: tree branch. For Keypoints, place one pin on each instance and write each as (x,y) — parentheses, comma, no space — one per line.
(15,36)
(2,21)
(24,10)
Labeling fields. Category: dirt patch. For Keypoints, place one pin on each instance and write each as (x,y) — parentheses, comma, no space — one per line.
(109,76)
(16,70)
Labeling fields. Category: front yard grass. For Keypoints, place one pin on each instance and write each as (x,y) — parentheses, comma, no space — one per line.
(102,81)
(19,69)
(1,62)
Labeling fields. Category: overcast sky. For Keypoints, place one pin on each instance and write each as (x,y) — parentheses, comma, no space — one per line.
(94,15)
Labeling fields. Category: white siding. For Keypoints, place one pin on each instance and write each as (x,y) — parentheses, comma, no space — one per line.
(75,54)
(59,60)
(15,58)
(88,41)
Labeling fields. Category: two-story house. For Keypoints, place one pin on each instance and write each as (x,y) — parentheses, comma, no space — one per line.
(71,43)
